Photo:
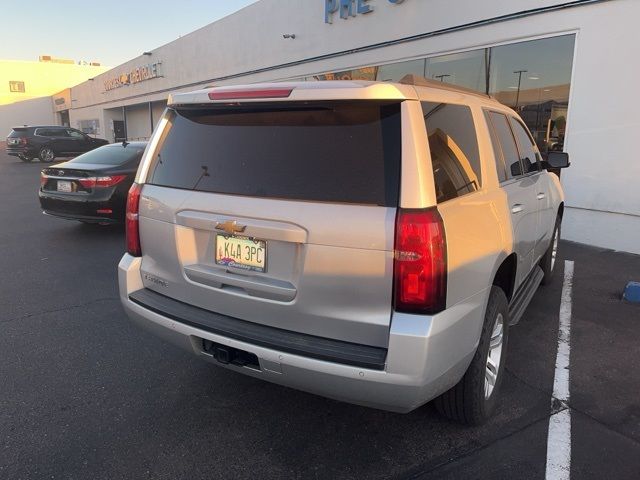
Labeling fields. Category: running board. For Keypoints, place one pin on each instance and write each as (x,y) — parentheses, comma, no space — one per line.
(524,295)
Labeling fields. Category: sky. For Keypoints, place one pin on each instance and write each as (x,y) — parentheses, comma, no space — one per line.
(107,32)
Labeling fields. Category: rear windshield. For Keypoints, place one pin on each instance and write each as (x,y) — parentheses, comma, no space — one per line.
(18,132)
(345,152)
(110,155)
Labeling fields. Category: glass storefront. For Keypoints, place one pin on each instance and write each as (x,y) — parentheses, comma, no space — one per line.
(532,77)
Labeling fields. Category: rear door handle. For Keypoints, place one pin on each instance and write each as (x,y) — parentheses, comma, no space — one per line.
(517,208)
(541,196)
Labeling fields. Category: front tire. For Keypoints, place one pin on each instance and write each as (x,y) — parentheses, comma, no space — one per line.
(46,155)
(473,400)
(548,260)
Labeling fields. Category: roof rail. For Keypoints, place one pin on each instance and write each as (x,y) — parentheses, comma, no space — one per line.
(418,81)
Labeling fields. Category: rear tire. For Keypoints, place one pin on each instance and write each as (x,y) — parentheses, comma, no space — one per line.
(46,155)
(548,260)
(24,158)
(473,400)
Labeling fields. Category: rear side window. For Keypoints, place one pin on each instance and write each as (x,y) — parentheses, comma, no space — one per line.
(74,134)
(527,153)
(454,149)
(497,151)
(507,145)
(50,132)
(346,152)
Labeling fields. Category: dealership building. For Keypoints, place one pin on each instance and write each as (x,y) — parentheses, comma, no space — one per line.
(570,68)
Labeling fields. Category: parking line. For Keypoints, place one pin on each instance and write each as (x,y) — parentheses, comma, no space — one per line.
(559,437)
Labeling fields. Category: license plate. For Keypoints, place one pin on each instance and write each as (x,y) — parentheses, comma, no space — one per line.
(241,252)
(64,186)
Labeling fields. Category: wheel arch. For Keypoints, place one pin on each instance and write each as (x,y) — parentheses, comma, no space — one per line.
(505,275)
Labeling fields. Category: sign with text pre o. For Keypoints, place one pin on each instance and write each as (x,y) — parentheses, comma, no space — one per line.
(348,8)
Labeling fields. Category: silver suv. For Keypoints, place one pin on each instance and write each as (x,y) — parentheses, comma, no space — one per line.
(369,242)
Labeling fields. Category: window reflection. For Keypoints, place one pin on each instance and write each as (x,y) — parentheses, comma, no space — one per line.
(454,149)
(395,71)
(532,77)
(463,69)
(366,73)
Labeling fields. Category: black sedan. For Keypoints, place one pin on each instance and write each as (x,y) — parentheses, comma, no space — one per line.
(93,187)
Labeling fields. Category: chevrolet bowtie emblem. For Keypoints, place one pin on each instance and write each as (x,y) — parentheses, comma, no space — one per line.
(231,227)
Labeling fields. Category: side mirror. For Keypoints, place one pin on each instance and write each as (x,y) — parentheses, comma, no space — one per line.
(557,160)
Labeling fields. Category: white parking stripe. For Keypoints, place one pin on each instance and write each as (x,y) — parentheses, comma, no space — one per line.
(559,439)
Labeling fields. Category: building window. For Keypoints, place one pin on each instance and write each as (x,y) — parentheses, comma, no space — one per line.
(16,86)
(466,69)
(366,73)
(532,77)
(90,127)
(395,71)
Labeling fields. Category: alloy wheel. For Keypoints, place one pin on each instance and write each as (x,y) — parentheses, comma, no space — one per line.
(494,356)
(47,155)
(554,249)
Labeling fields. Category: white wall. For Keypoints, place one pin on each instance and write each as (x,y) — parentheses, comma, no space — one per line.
(37,111)
(157,109)
(602,121)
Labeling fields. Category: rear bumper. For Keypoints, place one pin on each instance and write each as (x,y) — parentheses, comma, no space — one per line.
(80,218)
(80,208)
(21,150)
(426,355)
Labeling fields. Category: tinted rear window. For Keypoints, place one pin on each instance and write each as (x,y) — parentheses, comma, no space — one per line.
(110,155)
(18,132)
(346,152)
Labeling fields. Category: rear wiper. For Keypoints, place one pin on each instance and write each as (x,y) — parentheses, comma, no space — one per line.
(205,173)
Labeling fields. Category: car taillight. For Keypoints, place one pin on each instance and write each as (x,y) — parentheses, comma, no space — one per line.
(131,221)
(420,262)
(101,182)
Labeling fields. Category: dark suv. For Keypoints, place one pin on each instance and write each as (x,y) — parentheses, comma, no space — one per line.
(49,142)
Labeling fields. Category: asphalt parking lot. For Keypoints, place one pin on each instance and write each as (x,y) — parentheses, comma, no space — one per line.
(86,394)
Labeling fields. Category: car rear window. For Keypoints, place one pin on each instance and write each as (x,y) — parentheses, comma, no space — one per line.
(345,152)
(110,155)
(18,132)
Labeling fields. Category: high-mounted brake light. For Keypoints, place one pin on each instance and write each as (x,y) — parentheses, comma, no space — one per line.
(101,182)
(132,228)
(420,262)
(250,93)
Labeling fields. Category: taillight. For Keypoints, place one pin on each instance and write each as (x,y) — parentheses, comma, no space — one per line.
(420,262)
(101,182)
(131,221)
